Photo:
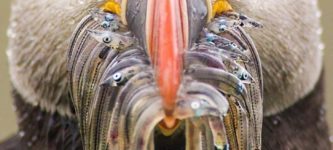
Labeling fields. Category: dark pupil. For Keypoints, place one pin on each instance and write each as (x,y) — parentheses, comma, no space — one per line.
(245,76)
(107,40)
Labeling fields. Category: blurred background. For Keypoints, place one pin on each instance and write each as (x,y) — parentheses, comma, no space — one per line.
(7,115)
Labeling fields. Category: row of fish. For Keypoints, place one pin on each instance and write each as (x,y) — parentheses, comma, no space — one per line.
(213,100)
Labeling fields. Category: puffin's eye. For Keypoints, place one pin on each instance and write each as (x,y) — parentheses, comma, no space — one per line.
(107,39)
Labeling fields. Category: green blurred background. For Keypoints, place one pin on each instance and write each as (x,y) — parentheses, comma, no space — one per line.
(7,115)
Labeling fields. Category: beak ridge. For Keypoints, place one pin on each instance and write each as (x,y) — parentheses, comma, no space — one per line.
(166,41)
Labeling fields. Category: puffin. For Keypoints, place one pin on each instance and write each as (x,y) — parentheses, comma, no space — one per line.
(167,74)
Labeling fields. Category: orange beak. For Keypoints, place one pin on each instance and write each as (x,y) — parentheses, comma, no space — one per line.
(167,38)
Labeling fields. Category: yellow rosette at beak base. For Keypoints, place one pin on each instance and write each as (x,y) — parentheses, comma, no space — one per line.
(111,6)
(217,7)
(115,7)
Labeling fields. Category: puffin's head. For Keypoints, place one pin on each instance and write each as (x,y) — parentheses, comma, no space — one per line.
(38,62)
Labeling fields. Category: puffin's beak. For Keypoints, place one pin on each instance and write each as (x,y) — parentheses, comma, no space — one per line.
(167,38)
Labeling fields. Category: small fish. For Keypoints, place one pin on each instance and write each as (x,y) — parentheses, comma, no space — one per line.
(204,59)
(243,75)
(220,79)
(235,53)
(238,70)
(220,25)
(108,21)
(123,75)
(244,21)
(249,22)
(113,40)
(221,42)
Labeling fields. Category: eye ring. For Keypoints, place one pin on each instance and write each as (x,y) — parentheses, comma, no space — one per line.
(109,17)
(245,76)
(117,77)
(222,28)
(233,45)
(105,24)
(195,105)
(107,39)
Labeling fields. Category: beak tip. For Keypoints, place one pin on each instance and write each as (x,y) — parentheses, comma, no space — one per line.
(169,122)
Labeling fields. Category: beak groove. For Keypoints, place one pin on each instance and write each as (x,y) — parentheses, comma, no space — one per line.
(167,39)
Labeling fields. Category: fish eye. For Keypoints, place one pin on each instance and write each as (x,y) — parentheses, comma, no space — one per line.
(245,76)
(117,77)
(240,88)
(223,28)
(233,45)
(105,24)
(106,39)
(195,105)
(210,37)
(109,17)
